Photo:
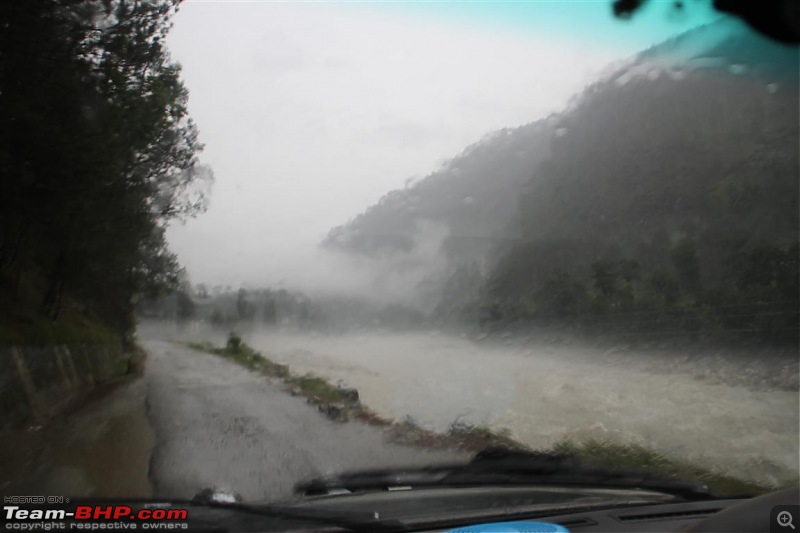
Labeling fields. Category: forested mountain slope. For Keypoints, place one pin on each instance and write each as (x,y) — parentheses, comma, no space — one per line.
(669,188)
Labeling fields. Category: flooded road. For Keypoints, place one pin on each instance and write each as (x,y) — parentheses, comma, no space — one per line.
(195,420)
(218,424)
(544,394)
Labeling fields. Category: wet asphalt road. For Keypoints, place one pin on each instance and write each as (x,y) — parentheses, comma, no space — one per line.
(218,424)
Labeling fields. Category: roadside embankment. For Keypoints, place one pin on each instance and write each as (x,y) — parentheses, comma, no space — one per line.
(39,382)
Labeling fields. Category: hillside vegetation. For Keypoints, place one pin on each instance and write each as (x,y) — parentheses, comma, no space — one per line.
(97,155)
(663,201)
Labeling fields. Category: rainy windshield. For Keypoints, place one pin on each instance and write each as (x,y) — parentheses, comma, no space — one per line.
(246,244)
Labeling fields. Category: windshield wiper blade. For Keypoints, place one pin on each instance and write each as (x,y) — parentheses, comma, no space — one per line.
(686,490)
(500,467)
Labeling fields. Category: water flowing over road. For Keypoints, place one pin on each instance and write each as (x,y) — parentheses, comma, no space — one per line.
(697,408)
(217,424)
(204,421)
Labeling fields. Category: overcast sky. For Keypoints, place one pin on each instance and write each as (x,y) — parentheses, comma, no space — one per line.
(310,112)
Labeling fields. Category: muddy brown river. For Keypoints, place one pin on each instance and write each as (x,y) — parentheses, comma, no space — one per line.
(693,410)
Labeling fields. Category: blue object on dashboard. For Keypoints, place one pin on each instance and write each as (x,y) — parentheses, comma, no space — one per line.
(522,526)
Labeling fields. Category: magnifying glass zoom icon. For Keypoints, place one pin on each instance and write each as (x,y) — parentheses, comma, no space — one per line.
(785,519)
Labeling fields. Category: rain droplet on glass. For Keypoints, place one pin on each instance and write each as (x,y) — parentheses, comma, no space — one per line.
(677,74)
(623,79)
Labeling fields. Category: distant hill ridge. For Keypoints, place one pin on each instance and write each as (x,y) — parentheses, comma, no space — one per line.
(475,194)
(673,180)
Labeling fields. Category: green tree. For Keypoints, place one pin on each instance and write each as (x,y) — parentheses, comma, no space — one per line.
(270,312)
(244,309)
(97,152)
(684,258)
(630,270)
(605,276)
(664,285)
(561,296)
(185,307)
(217,317)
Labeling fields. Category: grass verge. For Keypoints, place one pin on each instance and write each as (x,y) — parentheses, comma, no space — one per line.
(313,387)
(473,438)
